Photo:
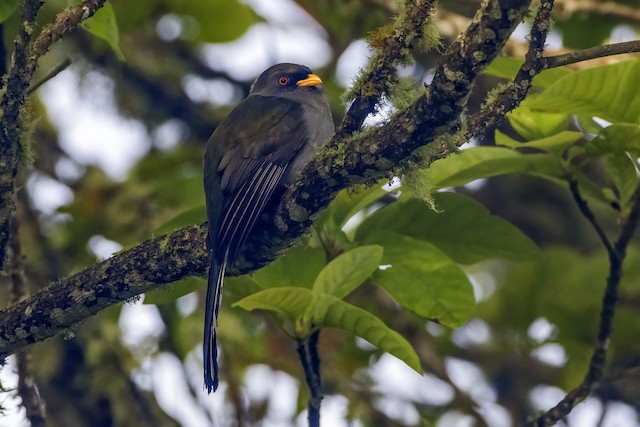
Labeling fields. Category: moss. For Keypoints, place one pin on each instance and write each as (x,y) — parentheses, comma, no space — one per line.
(430,37)
(452,141)
(28,27)
(29,123)
(377,38)
(405,93)
(418,184)
(479,56)
(163,244)
(494,93)
(335,152)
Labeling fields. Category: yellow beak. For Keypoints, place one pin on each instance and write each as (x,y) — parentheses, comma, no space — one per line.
(311,80)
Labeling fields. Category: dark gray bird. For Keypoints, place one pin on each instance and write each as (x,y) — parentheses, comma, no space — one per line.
(250,158)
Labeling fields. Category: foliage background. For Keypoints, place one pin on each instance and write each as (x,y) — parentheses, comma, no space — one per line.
(117,155)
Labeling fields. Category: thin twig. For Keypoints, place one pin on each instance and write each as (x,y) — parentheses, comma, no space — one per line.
(596,365)
(591,53)
(64,22)
(51,74)
(590,216)
(308,352)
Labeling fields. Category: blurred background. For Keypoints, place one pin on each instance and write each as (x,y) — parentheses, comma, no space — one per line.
(118,149)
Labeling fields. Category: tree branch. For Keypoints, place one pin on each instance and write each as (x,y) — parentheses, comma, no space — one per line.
(122,277)
(344,162)
(51,74)
(591,53)
(63,23)
(598,359)
(491,116)
(590,216)
(10,126)
(308,352)
(23,65)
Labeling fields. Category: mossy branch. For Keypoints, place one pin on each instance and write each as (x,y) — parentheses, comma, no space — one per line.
(493,114)
(23,65)
(11,103)
(344,162)
(392,46)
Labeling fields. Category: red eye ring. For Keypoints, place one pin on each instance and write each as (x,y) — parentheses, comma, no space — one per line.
(283,81)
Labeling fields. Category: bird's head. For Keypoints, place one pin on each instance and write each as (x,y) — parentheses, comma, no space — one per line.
(286,80)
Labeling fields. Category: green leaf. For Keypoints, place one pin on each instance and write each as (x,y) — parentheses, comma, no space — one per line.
(425,280)
(348,271)
(288,301)
(463,229)
(298,266)
(624,176)
(616,138)
(171,292)
(7,7)
(484,162)
(292,303)
(196,215)
(340,314)
(532,125)
(553,144)
(103,24)
(609,92)
(507,67)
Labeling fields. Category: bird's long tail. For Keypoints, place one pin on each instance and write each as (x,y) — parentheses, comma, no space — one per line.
(214,298)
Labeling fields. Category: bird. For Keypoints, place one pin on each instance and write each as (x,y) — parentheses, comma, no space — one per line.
(251,157)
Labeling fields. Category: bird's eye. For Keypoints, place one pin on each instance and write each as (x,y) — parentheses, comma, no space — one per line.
(283,81)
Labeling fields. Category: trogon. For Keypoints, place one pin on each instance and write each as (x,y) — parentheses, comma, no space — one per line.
(250,158)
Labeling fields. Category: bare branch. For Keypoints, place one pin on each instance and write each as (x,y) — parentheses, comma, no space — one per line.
(63,23)
(598,358)
(591,53)
(308,353)
(51,74)
(590,216)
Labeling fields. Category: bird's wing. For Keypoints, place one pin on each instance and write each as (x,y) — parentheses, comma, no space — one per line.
(262,135)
